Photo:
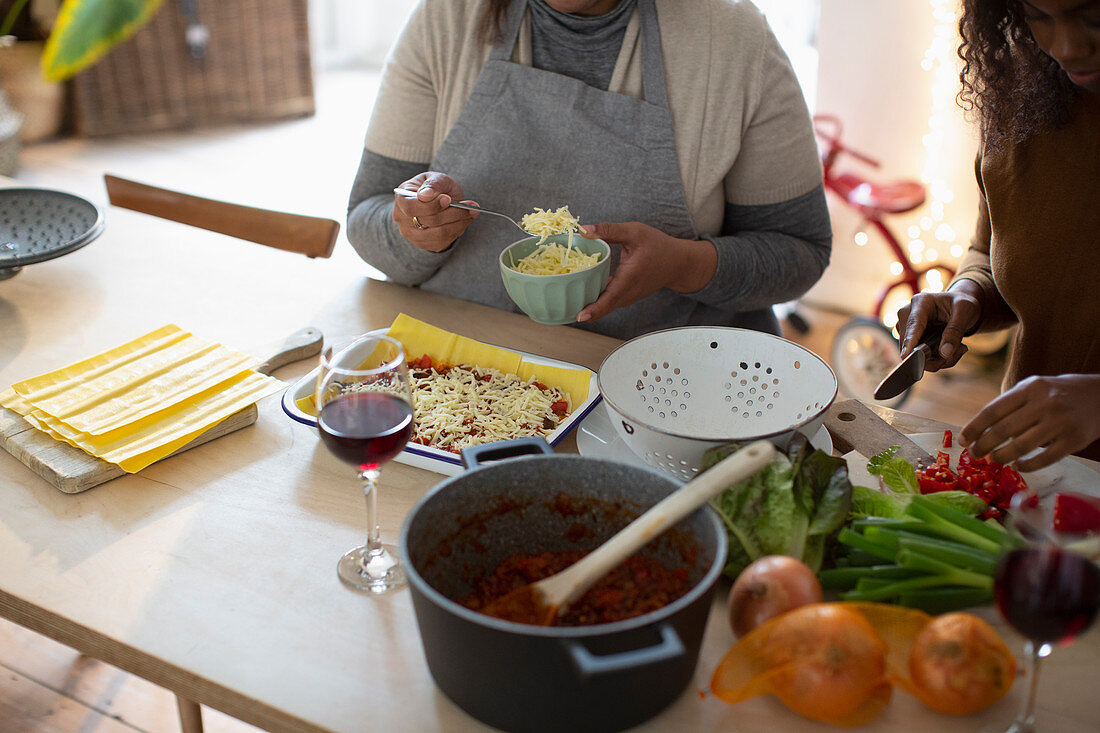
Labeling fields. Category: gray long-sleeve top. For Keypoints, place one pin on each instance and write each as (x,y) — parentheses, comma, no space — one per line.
(769,252)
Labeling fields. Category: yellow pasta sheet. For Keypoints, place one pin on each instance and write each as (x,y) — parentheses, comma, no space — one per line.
(123,386)
(133,447)
(420,338)
(139,402)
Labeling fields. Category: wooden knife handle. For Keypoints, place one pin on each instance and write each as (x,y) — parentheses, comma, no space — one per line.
(309,235)
(855,426)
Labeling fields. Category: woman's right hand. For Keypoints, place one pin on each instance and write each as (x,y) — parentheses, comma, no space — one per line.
(429,221)
(959,308)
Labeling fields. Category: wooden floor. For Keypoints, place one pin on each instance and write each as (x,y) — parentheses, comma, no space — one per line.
(304,166)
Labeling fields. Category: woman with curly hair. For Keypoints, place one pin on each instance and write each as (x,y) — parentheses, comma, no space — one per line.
(673,129)
(1032,74)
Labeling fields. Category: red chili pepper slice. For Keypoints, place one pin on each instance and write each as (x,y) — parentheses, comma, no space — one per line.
(993,483)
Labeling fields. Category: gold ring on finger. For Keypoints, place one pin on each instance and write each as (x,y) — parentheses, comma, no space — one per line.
(417,224)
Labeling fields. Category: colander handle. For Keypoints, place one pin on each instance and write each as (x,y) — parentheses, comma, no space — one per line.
(479,455)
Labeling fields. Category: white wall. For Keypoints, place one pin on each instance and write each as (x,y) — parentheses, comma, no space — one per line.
(870,76)
(355,32)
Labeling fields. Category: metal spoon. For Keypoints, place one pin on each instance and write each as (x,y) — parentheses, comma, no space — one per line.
(540,603)
(469,207)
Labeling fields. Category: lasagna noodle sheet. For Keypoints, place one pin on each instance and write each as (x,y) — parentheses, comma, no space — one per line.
(139,402)
(105,401)
(52,383)
(445,347)
(137,446)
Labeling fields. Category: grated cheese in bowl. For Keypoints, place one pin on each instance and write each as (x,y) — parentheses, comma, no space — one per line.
(553,258)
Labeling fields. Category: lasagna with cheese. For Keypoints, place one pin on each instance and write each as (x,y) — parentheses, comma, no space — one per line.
(460,406)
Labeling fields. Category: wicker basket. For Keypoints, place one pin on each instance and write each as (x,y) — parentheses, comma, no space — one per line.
(10,123)
(256,67)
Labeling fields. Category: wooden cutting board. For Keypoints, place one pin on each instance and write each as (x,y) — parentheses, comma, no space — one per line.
(855,426)
(72,470)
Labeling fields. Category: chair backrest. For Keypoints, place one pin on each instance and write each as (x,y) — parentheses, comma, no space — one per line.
(310,235)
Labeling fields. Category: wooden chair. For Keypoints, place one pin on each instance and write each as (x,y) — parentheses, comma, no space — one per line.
(309,235)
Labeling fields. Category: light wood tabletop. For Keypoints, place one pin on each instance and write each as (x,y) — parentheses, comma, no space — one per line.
(213,572)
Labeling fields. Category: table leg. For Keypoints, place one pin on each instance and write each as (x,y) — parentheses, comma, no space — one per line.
(190,715)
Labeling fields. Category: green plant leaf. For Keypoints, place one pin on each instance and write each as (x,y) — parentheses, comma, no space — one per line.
(897,473)
(87,29)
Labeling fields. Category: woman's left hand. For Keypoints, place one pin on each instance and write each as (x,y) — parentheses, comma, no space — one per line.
(1060,415)
(650,260)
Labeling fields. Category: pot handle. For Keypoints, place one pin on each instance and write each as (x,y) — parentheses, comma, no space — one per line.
(588,664)
(478,455)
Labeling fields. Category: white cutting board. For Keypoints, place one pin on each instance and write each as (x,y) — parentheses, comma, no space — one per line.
(1065,475)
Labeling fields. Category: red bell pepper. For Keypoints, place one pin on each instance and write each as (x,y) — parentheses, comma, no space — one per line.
(1075,512)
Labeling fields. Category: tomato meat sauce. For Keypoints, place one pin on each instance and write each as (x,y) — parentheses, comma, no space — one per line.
(639,585)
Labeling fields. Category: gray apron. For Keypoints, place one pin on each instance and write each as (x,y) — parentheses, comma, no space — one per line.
(529,138)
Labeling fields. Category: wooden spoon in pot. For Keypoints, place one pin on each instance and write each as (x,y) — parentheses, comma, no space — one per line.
(540,603)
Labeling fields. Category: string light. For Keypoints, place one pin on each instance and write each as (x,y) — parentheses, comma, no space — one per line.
(939,61)
(930,228)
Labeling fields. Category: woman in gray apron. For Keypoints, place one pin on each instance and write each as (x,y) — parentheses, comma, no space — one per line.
(548,133)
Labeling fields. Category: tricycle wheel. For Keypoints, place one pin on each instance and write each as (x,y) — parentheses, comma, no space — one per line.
(862,354)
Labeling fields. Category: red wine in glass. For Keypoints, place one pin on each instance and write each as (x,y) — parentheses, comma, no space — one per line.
(366,428)
(1046,593)
(366,417)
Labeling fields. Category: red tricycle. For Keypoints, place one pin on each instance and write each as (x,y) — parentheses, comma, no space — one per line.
(865,349)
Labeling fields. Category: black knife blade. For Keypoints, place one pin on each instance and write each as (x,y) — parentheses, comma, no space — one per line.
(911,369)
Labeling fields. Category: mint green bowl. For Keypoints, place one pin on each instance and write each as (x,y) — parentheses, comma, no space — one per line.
(555,299)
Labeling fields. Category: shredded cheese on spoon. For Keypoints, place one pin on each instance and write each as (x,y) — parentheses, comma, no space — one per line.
(553,258)
(544,223)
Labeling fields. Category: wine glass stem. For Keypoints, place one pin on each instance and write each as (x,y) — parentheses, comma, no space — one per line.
(369,477)
(1025,721)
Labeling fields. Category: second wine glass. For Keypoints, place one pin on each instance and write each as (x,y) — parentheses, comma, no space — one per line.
(1044,590)
(365,418)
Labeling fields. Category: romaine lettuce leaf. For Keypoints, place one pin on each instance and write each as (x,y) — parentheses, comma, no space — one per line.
(790,507)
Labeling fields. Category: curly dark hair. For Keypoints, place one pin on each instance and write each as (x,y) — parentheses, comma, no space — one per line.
(1015,88)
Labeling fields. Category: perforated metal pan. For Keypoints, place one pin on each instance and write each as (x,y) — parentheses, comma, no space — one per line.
(38,224)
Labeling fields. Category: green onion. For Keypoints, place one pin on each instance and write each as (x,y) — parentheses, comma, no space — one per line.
(955,553)
(951,529)
(993,532)
(858,541)
(917,561)
(942,600)
(895,589)
(846,578)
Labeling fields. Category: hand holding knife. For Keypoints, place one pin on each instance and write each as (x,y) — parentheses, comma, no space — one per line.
(911,369)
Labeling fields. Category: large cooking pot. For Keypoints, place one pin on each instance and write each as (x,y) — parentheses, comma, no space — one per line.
(517,677)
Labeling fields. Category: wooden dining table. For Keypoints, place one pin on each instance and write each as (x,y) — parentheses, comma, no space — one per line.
(213,572)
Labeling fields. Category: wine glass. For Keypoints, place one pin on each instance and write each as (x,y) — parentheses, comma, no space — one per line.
(1044,589)
(365,419)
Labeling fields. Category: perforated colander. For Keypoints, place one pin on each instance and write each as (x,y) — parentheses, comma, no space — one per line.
(38,224)
(673,394)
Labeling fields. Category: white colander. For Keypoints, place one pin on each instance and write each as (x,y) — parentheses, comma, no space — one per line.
(673,394)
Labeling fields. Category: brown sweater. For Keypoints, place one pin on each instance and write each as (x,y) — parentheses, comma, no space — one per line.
(1036,250)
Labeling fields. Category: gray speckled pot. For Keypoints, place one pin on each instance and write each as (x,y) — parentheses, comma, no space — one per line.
(516,677)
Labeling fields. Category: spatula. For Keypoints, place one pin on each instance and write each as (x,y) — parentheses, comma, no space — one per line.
(541,602)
